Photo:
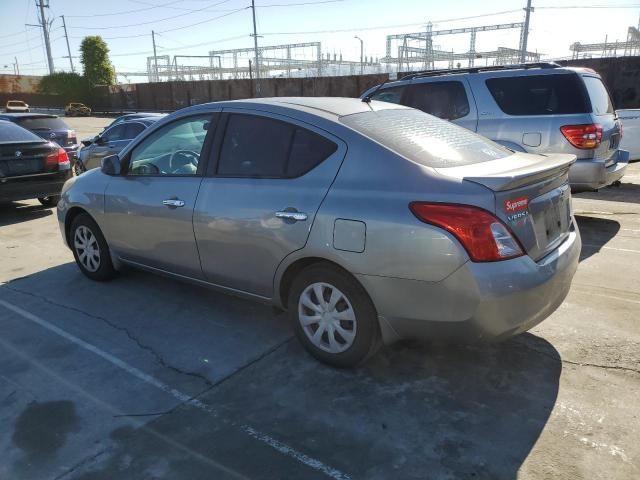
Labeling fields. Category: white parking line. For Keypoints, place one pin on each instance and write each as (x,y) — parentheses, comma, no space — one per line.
(182,397)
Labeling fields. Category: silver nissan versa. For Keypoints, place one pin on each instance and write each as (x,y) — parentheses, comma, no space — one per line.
(368,221)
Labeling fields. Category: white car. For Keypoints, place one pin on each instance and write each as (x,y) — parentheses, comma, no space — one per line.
(16,106)
(630,119)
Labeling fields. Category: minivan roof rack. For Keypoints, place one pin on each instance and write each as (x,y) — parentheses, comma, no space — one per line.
(434,73)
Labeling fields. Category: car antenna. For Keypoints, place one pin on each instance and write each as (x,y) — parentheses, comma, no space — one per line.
(367,98)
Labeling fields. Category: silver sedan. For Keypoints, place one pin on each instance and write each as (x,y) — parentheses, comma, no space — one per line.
(369,222)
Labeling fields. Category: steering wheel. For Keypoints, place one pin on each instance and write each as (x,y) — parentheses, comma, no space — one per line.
(187,157)
(146,169)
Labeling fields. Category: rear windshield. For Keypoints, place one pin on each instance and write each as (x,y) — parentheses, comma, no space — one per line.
(600,100)
(11,133)
(16,103)
(42,123)
(424,138)
(539,94)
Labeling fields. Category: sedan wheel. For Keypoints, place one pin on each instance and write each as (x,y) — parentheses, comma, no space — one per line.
(90,249)
(327,317)
(333,316)
(87,248)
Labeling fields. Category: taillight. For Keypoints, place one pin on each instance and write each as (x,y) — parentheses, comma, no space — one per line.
(484,237)
(585,137)
(59,158)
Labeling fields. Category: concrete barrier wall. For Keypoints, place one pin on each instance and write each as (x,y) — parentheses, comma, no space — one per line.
(176,95)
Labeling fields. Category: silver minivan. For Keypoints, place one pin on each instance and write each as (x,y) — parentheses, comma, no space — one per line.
(536,108)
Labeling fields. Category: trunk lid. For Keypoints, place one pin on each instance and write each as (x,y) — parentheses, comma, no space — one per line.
(21,159)
(532,196)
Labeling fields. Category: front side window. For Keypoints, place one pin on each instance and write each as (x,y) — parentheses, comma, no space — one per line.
(446,100)
(262,147)
(390,95)
(114,134)
(173,149)
(539,94)
(133,130)
(600,100)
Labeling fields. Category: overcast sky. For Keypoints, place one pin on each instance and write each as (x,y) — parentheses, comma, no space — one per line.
(225,24)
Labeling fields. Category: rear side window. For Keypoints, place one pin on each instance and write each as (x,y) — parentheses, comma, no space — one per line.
(539,94)
(115,134)
(600,99)
(262,147)
(10,133)
(424,138)
(390,95)
(42,123)
(447,100)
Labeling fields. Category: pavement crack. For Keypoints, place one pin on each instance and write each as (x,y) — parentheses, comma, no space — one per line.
(573,362)
(82,463)
(122,329)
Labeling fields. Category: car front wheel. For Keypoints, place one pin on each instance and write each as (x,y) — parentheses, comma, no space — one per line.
(333,316)
(90,249)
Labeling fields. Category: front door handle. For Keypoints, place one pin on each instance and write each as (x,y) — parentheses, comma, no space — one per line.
(173,203)
(295,216)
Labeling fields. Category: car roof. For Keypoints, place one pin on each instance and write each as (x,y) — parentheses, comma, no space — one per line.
(322,106)
(28,115)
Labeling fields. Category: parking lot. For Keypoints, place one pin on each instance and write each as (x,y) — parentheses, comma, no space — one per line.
(145,377)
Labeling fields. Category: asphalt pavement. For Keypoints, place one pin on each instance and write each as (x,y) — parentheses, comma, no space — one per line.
(145,377)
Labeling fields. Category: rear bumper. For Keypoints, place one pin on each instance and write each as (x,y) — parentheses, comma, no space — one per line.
(26,188)
(590,174)
(479,301)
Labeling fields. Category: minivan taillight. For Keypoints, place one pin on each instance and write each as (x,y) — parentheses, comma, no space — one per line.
(59,158)
(483,235)
(585,137)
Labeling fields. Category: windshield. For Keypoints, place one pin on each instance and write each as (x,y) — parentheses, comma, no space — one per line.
(424,138)
(42,123)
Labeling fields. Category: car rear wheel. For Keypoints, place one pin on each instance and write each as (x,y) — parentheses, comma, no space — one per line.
(90,249)
(333,316)
(50,201)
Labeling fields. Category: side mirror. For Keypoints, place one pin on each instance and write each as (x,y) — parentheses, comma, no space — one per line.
(98,140)
(111,165)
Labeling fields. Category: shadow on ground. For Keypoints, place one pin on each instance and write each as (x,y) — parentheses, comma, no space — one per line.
(412,412)
(595,233)
(626,192)
(17,212)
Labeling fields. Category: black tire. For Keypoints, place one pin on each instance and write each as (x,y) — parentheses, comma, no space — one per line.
(50,201)
(367,336)
(78,168)
(104,270)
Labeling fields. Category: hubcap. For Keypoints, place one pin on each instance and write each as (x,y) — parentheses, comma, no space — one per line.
(87,248)
(327,317)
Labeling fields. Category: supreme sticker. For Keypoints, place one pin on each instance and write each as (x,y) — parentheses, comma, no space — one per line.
(516,204)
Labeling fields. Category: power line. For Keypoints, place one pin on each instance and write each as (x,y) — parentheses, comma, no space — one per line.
(173,29)
(298,4)
(19,33)
(125,12)
(18,43)
(152,21)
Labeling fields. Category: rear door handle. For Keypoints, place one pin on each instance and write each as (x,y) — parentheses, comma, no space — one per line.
(173,202)
(295,216)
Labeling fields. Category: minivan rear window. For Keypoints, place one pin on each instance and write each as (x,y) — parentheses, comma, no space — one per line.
(539,94)
(424,138)
(600,100)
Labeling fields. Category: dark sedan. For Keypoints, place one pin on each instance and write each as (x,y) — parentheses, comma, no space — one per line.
(49,127)
(30,166)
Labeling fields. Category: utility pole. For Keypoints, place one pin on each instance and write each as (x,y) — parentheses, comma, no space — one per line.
(42,4)
(17,66)
(255,47)
(525,33)
(64,24)
(361,54)
(155,55)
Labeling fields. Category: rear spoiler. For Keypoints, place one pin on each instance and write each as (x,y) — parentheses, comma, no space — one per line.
(513,171)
